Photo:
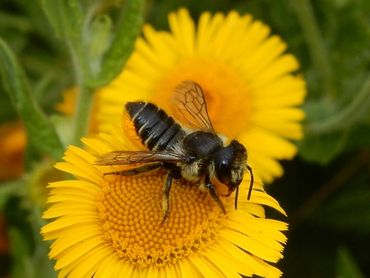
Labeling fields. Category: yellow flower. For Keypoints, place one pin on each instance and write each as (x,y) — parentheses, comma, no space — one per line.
(110,226)
(251,91)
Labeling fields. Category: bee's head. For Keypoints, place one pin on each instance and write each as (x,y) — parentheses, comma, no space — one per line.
(229,164)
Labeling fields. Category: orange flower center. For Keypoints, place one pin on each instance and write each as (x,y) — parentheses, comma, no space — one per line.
(130,210)
(227,96)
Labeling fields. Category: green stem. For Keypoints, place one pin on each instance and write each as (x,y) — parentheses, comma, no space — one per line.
(82,114)
(84,97)
(319,55)
(348,116)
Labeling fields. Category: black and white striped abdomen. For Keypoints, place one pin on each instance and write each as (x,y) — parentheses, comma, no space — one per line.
(156,129)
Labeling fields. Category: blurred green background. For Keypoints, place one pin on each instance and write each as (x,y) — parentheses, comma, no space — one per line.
(325,189)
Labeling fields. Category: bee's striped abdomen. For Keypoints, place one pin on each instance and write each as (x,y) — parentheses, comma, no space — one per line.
(156,129)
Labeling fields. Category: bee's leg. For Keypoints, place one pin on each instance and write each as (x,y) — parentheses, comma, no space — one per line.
(236,197)
(212,190)
(251,183)
(135,171)
(166,197)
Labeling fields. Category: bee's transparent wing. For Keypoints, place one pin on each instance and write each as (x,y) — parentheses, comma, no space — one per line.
(190,105)
(131,157)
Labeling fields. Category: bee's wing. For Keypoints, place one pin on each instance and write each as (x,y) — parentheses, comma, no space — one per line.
(130,157)
(190,105)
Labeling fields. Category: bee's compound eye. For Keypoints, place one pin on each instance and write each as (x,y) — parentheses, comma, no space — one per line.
(223,166)
(223,170)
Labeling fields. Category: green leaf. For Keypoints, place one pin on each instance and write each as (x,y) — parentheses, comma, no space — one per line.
(316,147)
(353,112)
(41,133)
(329,129)
(99,40)
(346,265)
(65,16)
(127,30)
(322,149)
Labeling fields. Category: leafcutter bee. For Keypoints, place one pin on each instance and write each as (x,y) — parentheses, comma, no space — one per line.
(194,151)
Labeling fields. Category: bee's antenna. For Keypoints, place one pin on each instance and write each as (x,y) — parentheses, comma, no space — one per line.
(251,183)
(236,197)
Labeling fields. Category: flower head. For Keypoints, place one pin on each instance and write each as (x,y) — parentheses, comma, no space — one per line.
(109,225)
(250,89)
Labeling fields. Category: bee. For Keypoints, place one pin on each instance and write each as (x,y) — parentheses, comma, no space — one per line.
(194,152)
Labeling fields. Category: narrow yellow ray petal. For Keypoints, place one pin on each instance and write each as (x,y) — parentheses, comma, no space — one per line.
(202,32)
(271,271)
(249,265)
(81,154)
(114,102)
(264,56)
(255,233)
(157,45)
(283,65)
(69,208)
(64,194)
(75,186)
(265,227)
(234,40)
(126,270)
(74,252)
(147,52)
(254,209)
(183,29)
(154,272)
(285,113)
(72,237)
(78,172)
(83,162)
(292,131)
(269,144)
(256,33)
(252,246)
(266,167)
(55,234)
(106,268)
(222,262)
(147,69)
(205,267)
(188,270)
(90,262)
(170,271)
(224,46)
(286,91)
(64,272)
(212,28)
(263,198)
(66,221)
(96,145)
